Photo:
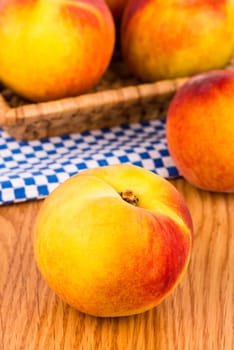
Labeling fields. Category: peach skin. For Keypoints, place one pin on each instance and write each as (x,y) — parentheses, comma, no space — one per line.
(51,49)
(176,38)
(113,241)
(200,130)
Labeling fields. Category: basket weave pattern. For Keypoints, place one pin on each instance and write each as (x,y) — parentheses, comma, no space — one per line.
(117,99)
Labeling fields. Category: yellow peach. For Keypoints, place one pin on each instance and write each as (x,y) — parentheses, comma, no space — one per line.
(176,38)
(52,49)
(113,241)
(200,130)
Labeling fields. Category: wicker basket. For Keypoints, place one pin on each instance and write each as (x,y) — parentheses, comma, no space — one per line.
(117,99)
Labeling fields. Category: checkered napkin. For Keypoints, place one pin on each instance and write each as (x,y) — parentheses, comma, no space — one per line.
(31,170)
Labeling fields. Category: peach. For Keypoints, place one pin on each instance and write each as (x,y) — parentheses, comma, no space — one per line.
(176,38)
(113,241)
(52,49)
(200,130)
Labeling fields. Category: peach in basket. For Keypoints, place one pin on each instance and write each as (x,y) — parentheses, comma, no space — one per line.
(54,49)
(176,38)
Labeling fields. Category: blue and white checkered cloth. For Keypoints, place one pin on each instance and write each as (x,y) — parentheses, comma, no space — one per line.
(31,170)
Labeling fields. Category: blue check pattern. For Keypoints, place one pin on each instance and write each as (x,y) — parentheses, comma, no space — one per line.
(31,170)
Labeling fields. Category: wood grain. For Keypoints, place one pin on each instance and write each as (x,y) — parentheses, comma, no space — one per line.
(198,315)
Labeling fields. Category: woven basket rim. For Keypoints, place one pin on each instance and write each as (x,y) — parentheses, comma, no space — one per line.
(9,115)
(115,101)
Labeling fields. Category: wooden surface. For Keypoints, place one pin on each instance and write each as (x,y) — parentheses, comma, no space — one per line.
(198,315)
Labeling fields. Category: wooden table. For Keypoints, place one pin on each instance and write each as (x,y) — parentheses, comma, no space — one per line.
(198,315)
